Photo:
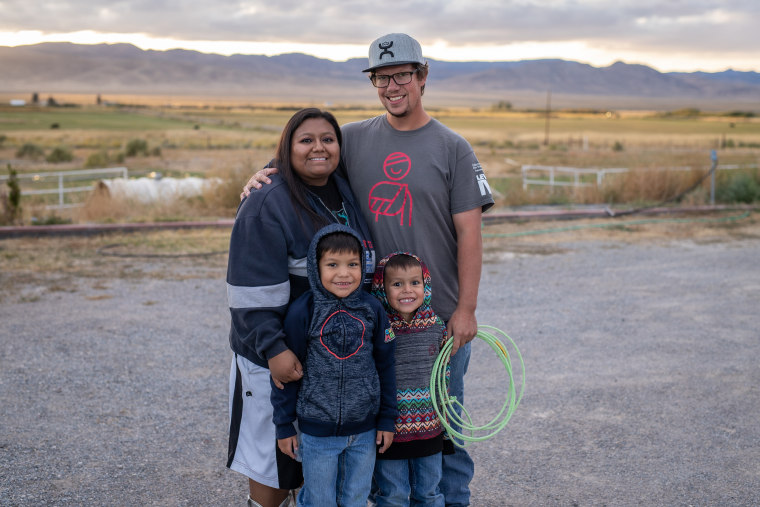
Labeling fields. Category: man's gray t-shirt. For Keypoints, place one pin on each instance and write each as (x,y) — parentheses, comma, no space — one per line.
(408,185)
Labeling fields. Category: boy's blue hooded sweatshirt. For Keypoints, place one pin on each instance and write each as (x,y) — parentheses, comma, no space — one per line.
(346,347)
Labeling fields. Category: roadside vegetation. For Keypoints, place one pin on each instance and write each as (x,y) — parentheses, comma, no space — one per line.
(230,142)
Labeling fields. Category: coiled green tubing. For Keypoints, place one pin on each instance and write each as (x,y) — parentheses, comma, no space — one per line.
(446,406)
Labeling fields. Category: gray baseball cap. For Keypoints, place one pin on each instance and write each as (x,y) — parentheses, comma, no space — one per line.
(394,49)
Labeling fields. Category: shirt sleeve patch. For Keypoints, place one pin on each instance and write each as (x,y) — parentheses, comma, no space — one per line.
(389,335)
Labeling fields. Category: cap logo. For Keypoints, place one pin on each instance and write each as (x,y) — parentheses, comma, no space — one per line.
(386,51)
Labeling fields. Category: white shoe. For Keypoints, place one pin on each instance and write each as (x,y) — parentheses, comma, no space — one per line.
(290,501)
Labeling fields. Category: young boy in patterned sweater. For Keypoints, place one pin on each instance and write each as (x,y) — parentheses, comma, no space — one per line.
(410,469)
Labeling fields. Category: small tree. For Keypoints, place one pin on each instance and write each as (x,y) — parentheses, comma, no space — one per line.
(30,150)
(60,154)
(136,147)
(12,202)
(502,105)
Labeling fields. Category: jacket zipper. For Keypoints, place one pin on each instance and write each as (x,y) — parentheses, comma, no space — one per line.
(341,380)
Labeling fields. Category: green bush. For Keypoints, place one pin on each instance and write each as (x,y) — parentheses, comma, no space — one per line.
(60,154)
(51,220)
(740,188)
(98,159)
(10,203)
(741,114)
(136,147)
(30,150)
(502,105)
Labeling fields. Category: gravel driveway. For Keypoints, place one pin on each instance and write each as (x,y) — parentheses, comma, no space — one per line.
(642,382)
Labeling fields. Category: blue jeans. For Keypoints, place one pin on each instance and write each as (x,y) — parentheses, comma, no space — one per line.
(409,482)
(458,468)
(337,470)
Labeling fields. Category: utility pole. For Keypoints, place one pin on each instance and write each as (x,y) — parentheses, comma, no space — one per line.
(548,114)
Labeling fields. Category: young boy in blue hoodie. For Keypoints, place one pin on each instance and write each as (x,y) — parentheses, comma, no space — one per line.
(345,403)
(408,473)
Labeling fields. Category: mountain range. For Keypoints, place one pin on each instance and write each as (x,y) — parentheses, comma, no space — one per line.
(125,69)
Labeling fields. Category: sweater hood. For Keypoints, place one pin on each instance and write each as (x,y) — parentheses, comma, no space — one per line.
(424,317)
(312,268)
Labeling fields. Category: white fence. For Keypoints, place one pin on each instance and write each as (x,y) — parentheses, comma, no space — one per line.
(65,182)
(557,176)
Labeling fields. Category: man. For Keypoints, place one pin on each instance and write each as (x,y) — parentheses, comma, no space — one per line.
(422,190)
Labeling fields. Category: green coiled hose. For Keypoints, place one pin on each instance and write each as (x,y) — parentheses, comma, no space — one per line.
(446,406)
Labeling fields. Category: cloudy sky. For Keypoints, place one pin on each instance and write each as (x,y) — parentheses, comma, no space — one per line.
(669,35)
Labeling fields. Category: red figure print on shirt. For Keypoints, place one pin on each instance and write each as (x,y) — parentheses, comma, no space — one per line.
(390,198)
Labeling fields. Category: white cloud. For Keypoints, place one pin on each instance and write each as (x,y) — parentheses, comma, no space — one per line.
(648,31)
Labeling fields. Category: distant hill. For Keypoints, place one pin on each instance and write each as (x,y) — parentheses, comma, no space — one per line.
(126,69)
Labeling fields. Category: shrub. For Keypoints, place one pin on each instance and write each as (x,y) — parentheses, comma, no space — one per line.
(686,112)
(618,146)
(11,202)
(51,220)
(60,154)
(740,188)
(741,114)
(3,137)
(30,150)
(97,159)
(502,105)
(136,147)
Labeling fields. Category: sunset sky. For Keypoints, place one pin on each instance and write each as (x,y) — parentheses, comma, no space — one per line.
(677,35)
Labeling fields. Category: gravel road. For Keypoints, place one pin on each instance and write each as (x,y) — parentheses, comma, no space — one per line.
(641,361)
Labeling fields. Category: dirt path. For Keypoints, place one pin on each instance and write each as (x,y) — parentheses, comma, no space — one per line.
(640,344)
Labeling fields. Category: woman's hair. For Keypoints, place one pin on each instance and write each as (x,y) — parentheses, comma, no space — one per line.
(284,165)
(338,242)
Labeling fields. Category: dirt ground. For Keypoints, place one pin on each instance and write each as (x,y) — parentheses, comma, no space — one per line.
(639,338)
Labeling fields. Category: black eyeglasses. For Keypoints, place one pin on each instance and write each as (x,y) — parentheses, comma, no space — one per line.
(400,78)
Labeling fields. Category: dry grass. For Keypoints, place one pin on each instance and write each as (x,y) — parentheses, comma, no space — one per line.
(33,266)
(231,140)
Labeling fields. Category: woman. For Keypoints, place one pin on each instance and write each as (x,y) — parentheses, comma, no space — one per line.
(266,271)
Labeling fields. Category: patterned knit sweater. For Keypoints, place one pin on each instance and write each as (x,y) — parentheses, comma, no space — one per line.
(418,431)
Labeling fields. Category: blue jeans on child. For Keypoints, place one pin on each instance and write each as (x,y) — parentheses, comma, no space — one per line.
(397,478)
(458,468)
(337,470)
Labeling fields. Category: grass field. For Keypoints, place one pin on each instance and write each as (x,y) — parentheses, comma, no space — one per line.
(231,141)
